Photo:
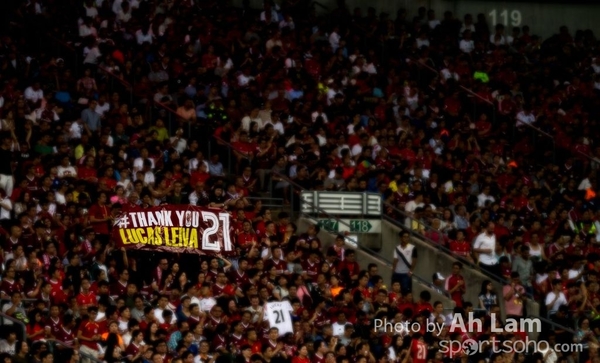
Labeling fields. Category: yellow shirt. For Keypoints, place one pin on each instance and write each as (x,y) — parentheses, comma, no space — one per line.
(394,186)
(163,134)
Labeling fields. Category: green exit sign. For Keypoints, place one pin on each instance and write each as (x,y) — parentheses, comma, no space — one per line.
(360,226)
(350,225)
(330,225)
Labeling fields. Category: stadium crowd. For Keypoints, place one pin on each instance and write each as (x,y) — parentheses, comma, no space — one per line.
(480,138)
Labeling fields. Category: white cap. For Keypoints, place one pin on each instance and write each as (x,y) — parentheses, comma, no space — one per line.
(439,276)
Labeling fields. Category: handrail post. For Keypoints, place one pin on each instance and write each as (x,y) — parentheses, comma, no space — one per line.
(229,160)
(15,322)
(292,197)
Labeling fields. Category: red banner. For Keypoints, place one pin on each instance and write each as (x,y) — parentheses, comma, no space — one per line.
(175,228)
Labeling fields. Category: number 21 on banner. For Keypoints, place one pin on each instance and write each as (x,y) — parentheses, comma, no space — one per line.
(222,221)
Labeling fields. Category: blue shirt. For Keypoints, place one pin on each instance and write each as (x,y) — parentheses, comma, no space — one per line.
(215,169)
(92,119)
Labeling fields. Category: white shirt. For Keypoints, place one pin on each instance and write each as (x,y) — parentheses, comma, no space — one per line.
(158,315)
(102,109)
(179,145)
(85,31)
(246,121)
(91,55)
(342,147)
(422,43)
(193,165)
(195,300)
(91,12)
(407,252)
(467,46)
(574,273)
(338,329)
(39,112)
(207,303)
(138,164)
(369,68)
(198,359)
(117,6)
(274,17)
(322,140)
(549,354)
(279,316)
(7,348)
(5,213)
(68,171)
(33,95)
(483,241)
(76,130)
(143,38)
(334,41)
(60,198)
(316,114)
(562,300)
(499,41)
(124,17)
(5,308)
(356,150)
(447,74)
(464,27)
(277,126)
(149,178)
(482,198)
(284,23)
(585,184)
(412,205)
(437,146)
(243,80)
(193,198)
(331,93)
(522,118)
(433,23)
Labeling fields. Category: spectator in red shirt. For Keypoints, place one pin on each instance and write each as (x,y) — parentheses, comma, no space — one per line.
(86,298)
(456,284)
(460,246)
(101,218)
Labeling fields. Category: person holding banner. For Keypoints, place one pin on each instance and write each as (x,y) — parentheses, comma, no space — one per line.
(100,218)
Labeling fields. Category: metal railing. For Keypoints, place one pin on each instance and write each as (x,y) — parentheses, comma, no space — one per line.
(172,119)
(468,91)
(268,202)
(117,83)
(314,207)
(534,130)
(62,49)
(23,328)
(226,152)
(324,213)
(439,245)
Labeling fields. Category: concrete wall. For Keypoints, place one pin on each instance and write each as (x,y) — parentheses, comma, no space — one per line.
(365,258)
(543,18)
(430,260)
